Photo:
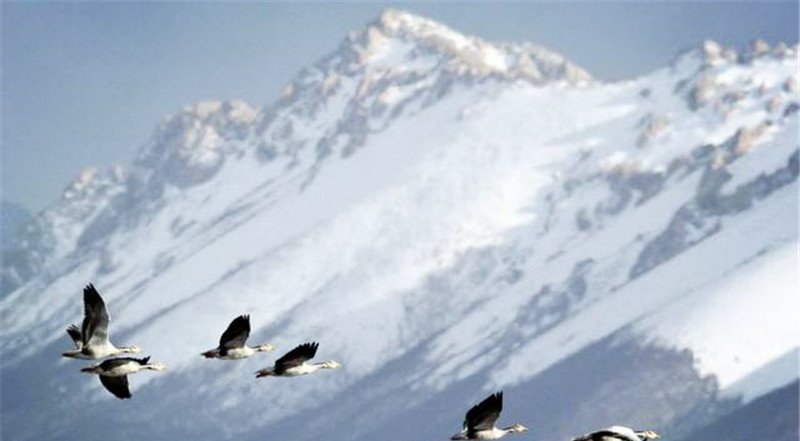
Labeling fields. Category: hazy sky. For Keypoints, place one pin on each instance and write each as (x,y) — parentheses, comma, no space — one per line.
(85,83)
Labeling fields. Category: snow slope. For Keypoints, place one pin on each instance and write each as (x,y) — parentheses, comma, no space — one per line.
(447,216)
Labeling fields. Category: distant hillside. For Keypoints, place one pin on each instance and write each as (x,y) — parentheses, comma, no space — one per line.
(772,417)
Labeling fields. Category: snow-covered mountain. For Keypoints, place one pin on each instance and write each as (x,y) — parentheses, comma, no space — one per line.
(447,217)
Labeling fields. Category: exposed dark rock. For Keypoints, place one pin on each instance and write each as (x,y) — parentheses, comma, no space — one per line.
(700,218)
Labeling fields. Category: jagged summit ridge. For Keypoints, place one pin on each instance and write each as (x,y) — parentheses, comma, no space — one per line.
(464,55)
(398,65)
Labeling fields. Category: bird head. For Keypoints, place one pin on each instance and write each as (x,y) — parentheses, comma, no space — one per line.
(518,428)
(649,434)
(266,347)
(266,372)
(157,366)
(332,365)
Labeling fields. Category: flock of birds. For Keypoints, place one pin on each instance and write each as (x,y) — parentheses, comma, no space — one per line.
(92,343)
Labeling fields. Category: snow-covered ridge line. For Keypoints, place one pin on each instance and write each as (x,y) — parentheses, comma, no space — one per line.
(399,64)
(442,233)
(472,55)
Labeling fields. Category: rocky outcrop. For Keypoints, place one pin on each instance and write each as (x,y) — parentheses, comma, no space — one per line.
(700,218)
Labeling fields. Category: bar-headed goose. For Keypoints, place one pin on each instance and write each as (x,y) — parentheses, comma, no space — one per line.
(232,343)
(91,341)
(294,363)
(114,373)
(480,419)
(618,433)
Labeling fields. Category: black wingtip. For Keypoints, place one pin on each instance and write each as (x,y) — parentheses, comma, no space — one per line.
(74,333)
(498,396)
(310,348)
(242,318)
(143,361)
(90,290)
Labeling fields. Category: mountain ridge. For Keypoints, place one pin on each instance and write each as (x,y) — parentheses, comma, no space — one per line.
(445,231)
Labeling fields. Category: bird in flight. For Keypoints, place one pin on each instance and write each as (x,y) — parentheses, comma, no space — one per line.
(114,373)
(479,422)
(295,363)
(91,340)
(232,344)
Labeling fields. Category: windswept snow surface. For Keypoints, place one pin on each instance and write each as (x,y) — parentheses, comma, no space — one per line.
(440,215)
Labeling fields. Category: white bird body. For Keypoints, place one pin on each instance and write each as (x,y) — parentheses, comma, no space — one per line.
(492,433)
(618,433)
(238,353)
(119,367)
(624,432)
(303,369)
(96,352)
(128,368)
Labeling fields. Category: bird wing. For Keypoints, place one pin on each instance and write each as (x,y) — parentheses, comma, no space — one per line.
(483,415)
(95,318)
(117,386)
(75,335)
(296,356)
(236,334)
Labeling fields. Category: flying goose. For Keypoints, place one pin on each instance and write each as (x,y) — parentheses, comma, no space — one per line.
(114,373)
(618,433)
(480,419)
(294,363)
(91,340)
(232,343)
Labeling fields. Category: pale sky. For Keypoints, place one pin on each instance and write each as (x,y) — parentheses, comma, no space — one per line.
(85,83)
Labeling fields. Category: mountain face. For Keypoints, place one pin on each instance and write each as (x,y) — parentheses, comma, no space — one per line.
(447,217)
(14,218)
